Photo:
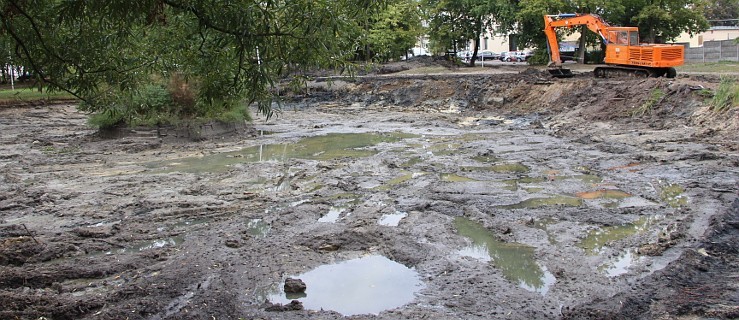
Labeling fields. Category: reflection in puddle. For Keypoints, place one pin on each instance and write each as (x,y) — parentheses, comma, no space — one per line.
(257,228)
(450,177)
(445,149)
(485,158)
(599,238)
(620,265)
(411,162)
(557,200)
(333,215)
(603,194)
(365,285)
(149,245)
(588,178)
(392,220)
(672,194)
(499,168)
(399,180)
(327,147)
(513,184)
(160,243)
(515,261)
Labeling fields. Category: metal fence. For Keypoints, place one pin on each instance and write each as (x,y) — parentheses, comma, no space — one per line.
(713,51)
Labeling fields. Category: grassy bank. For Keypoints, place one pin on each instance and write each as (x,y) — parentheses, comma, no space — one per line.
(710,67)
(27,94)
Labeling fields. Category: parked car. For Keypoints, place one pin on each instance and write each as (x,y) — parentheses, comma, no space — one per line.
(464,54)
(517,56)
(487,55)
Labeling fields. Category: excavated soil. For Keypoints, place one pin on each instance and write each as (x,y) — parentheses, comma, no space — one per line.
(513,195)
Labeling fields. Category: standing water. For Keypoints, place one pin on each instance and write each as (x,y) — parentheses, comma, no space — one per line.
(365,285)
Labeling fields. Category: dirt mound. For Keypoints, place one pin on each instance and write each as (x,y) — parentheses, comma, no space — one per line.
(415,63)
(653,102)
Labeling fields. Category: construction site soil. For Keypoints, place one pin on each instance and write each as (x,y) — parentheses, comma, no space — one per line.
(500,194)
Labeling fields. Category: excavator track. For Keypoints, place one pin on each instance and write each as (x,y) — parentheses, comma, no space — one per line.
(623,71)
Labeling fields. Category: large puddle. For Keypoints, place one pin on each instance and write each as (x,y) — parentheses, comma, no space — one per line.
(327,147)
(367,285)
(597,239)
(516,261)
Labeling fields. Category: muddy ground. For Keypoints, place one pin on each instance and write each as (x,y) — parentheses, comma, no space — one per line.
(503,195)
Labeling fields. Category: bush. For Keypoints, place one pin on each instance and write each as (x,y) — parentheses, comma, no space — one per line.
(166,102)
(726,96)
(540,58)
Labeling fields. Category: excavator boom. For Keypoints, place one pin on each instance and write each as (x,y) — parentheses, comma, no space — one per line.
(624,53)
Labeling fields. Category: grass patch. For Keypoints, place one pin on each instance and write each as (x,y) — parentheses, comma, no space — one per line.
(31,94)
(654,98)
(726,95)
(712,67)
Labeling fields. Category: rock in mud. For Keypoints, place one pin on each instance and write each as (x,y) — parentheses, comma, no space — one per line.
(294,305)
(294,285)
(233,243)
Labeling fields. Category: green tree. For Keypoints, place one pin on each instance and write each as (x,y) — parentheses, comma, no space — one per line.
(456,22)
(725,10)
(395,30)
(224,52)
(664,20)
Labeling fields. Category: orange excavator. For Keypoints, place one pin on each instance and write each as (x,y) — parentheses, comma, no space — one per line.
(624,54)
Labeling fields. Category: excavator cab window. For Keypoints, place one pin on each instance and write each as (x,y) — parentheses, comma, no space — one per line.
(623,37)
(634,38)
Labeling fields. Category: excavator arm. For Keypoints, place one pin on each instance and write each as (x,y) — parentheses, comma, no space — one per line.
(591,21)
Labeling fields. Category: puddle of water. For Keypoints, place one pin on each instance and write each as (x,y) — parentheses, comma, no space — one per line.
(672,194)
(516,261)
(620,265)
(392,220)
(596,239)
(603,194)
(445,149)
(588,178)
(365,285)
(411,162)
(485,159)
(160,243)
(513,184)
(333,215)
(327,147)
(398,180)
(557,200)
(147,245)
(345,199)
(500,168)
(257,228)
(450,177)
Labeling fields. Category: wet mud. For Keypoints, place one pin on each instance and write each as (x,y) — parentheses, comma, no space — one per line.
(406,197)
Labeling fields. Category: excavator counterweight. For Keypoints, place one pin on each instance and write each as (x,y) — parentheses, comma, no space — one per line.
(624,54)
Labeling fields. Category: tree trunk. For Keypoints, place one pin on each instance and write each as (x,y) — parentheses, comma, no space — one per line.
(473,58)
(582,45)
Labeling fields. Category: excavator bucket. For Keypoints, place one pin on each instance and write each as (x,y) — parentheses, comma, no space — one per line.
(561,73)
